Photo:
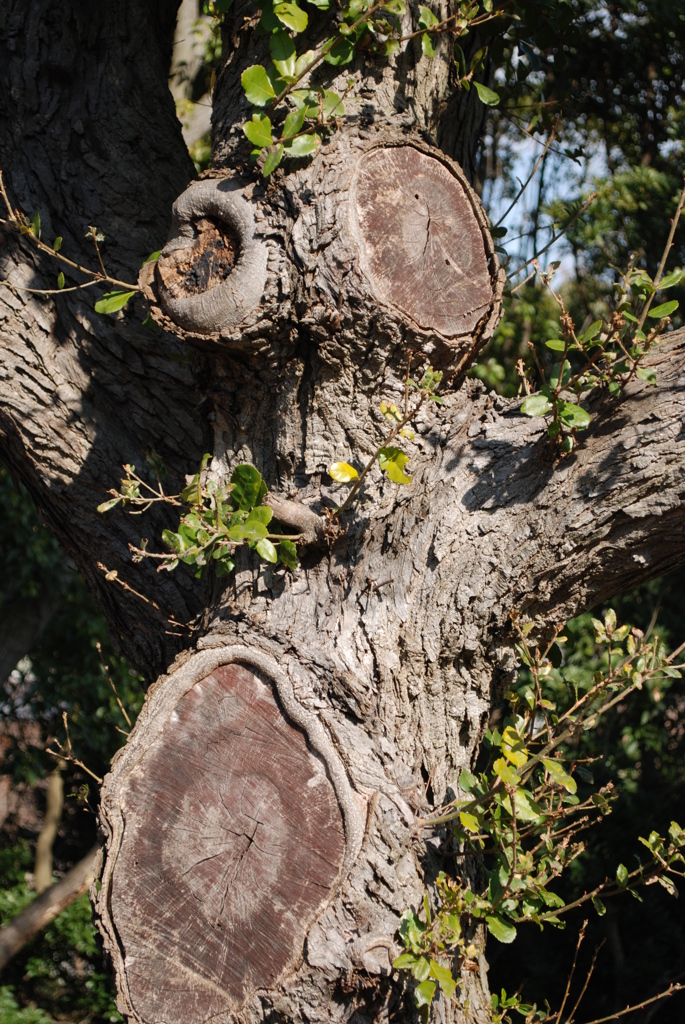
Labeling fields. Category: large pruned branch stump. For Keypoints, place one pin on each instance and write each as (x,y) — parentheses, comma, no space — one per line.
(229,821)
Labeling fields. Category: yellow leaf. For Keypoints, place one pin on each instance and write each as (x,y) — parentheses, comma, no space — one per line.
(469,821)
(513,748)
(342,472)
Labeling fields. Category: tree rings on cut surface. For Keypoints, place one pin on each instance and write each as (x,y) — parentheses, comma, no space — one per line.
(421,243)
(226,838)
(212,272)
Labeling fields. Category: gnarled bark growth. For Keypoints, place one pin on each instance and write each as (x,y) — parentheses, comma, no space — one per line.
(372,666)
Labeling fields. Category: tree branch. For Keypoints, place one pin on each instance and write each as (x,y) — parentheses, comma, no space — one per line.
(46,907)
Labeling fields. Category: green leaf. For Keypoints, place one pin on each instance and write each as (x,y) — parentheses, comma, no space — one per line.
(664,310)
(621,874)
(303,145)
(292,16)
(424,993)
(411,930)
(261,514)
(560,777)
(173,541)
(392,461)
(443,976)
(267,551)
(305,98)
(675,277)
(342,472)
(341,53)
(572,415)
(526,807)
(247,487)
(500,929)
(60,280)
(35,224)
(224,566)
(323,5)
(403,961)
(293,122)
(459,59)
(467,781)
(469,822)
(487,96)
(668,885)
(427,47)
(258,90)
(57,245)
(272,161)
(303,62)
(536,405)
(332,105)
(421,969)
(426,18)
(258,130)
(153,257)
(113,301)
(505,773)
(647,374)
(556,344)
(599,906)
(287,552)
(283,52)
(107,505)
(591,332)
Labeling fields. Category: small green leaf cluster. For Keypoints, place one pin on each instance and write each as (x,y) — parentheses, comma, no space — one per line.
(111,302)
(373,26)
(466,18)
(607,354)
(391,459)
(522,816)
(215,521)
(438,938)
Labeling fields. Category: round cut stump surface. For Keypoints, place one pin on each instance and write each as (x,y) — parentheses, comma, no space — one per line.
(421,242)
(233,839)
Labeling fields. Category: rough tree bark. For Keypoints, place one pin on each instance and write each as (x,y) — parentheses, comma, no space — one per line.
(260,823)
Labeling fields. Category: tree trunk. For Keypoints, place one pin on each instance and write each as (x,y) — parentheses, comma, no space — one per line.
(261,821)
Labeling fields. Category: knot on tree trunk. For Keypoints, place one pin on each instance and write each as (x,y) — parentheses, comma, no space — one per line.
(211,273)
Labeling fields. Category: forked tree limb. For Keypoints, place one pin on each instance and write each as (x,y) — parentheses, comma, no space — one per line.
(46,907)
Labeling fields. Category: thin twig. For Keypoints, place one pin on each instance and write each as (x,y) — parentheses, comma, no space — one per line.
(521,283)
(51,291)
(664,257)
(18,224)
(587,982)
(93,234)
(556,236)
(105,669)
(639,1006)
(113,575)
(66,752)
(532,174)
